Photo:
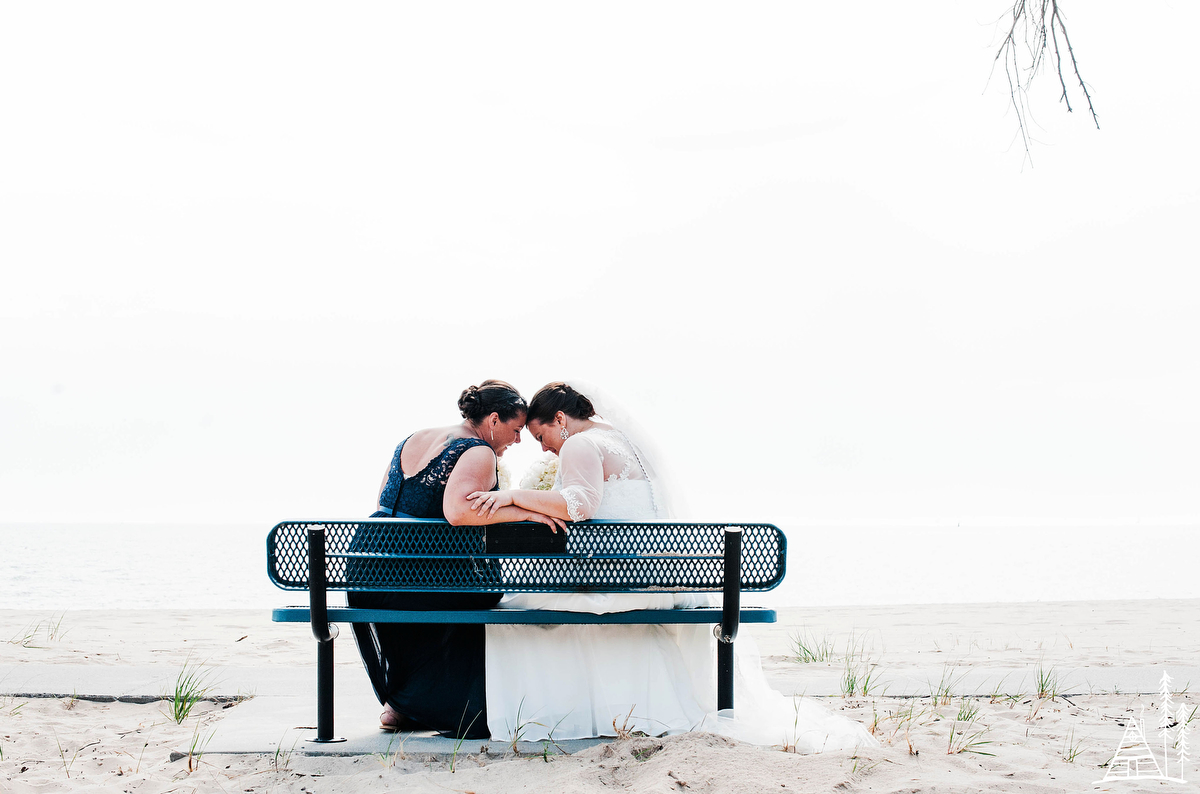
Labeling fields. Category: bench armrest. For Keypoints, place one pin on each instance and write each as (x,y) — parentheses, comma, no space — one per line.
(322,629)
(732,595)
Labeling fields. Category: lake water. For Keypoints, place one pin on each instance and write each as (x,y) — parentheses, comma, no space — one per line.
(138,566)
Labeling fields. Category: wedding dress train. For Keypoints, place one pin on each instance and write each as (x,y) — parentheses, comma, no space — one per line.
(578,681)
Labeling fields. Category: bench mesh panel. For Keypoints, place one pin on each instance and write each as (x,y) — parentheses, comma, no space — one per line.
(379,554)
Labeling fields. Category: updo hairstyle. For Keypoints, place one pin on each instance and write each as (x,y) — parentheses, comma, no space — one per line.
(492,396)
(555,397)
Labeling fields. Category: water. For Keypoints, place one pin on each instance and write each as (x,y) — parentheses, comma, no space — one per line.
(139,566)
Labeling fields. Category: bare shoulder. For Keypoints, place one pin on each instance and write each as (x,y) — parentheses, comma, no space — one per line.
(481,455)
(436,438)
(425,445)
(476,466)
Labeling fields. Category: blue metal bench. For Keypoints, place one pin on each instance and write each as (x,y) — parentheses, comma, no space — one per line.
(425,555)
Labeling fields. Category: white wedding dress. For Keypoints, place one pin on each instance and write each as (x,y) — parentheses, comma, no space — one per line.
(578,681)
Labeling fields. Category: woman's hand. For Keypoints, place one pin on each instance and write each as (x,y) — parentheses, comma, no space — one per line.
(488,502)
(555,524)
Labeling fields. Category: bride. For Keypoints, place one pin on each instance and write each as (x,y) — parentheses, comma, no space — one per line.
(578,681)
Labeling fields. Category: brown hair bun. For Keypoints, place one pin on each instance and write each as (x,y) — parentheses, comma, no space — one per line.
(492,396)
(555,397)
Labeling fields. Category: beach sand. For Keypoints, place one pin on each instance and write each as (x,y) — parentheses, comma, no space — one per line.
(1105,659)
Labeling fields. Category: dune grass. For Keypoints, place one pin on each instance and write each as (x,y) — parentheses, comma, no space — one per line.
(1048,682)
(809,648)
(942,693)
(968,740)
(196,748)
(968,710)
(51,629)
(191,685)
(1072,747)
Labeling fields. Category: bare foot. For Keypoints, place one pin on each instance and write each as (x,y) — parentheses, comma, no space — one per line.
(392,720)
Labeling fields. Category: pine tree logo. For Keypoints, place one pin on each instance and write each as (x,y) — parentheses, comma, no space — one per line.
(1135,759)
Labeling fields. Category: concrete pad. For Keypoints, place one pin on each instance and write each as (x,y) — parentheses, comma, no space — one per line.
(139,682)
(287,725)
(281,715)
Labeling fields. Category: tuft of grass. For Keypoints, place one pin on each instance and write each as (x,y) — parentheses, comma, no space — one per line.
(624,732)
(63,755)
(1071,747)
(876,720)
(997,694)
(283,758)
(191,685)
(196,748)
(28,636)
(850,679)
(551,742)
(905,719)
(1048,683)
(968,710)
(942,694)
(967,740)
(808,648)
(860,675)
(461,738)
(519,731)
(790,747)
(54,629)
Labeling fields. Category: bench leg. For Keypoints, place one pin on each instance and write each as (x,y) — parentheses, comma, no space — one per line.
(324,633)
(724,674)
(727,631)
(325,693)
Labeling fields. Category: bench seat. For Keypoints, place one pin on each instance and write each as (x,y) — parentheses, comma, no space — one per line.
(690,615)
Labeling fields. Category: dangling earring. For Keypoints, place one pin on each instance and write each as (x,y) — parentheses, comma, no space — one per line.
(563,434)
(493,435)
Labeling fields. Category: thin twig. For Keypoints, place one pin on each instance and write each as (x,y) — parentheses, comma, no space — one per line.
(1032,34)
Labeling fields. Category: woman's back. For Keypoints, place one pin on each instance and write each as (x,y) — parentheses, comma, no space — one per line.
(415,483)
(601,476)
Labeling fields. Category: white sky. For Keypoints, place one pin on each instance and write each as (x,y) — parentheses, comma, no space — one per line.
(247,248)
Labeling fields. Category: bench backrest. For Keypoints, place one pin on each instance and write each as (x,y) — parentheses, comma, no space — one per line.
(605,556)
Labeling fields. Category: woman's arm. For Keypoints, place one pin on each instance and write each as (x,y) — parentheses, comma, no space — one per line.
(476,471)
(550,503)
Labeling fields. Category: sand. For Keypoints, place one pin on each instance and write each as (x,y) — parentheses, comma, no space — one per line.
(1024,743)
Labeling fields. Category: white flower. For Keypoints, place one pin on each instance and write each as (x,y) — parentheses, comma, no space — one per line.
(540,474)
(503,475)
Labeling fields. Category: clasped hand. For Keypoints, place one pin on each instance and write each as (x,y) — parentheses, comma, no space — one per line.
(488,502)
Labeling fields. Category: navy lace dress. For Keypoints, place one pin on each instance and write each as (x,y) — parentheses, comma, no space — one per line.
(431,673)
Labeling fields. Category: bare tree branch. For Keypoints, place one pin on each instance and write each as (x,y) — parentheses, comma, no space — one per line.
(1032,35)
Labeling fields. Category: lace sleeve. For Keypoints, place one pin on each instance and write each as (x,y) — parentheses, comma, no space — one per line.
(581,467)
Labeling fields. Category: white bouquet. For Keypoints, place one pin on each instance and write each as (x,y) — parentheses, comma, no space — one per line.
(540,474)
(503,475)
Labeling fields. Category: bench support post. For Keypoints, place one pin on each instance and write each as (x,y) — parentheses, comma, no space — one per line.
(730,613)
(324,633)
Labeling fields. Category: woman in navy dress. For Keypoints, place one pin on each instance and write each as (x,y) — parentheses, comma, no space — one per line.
(432,675)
